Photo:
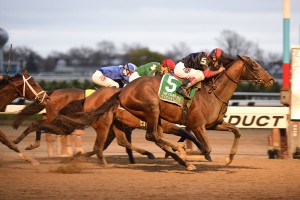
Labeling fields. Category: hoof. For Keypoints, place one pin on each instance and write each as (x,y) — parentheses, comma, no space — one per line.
(30,147)
(228,161)
(190,167)
(208,158)
(30,160)
(34,162)
(167,155)
(150,156)
(78,154)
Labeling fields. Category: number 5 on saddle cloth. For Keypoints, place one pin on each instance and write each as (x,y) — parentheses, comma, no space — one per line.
(167,91)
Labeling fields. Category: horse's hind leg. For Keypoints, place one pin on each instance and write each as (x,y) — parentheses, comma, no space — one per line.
(229,127)
(122,141)
(102,126)
(128,133)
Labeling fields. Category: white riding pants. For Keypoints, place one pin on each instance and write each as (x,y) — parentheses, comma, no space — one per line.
(102,80)
(134,76)
(188,73)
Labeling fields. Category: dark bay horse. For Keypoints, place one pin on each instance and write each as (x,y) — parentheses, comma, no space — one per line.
(206,112)
(129,122)
(19,86)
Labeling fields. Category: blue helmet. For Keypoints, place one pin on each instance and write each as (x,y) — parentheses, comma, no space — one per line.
(131,67)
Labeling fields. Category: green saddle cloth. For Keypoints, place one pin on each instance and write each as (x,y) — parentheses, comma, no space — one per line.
(167,90)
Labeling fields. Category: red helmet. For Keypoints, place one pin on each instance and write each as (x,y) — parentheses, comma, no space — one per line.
(216,53)
(169,63)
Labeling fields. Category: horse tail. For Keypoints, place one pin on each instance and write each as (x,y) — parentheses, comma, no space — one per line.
(63,124)
(72,107)
(27,111)
(110,105)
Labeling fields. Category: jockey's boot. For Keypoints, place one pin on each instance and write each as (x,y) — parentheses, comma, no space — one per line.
(183,89)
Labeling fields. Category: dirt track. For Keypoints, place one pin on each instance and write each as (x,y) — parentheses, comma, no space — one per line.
(251,175)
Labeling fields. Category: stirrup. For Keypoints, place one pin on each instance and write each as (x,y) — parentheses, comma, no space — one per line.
(183,93)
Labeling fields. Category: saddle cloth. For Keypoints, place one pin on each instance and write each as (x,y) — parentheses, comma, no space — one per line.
(167,90)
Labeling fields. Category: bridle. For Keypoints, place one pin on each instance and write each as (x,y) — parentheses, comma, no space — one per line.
(256,79)
(26,83)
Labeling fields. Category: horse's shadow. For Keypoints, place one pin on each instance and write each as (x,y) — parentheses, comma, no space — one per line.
(167,165)
(164,165)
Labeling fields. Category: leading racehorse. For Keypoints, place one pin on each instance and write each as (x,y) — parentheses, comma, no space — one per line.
(19,86)
(207,110)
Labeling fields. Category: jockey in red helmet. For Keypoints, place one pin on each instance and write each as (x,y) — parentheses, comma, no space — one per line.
(196,67)
(153,69)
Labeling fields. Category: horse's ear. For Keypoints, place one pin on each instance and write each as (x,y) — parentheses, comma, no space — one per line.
(25,72)
(240,57)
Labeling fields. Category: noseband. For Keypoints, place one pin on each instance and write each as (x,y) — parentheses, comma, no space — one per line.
(32,90)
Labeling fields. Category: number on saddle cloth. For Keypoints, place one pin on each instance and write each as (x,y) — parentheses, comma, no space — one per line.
(167,90)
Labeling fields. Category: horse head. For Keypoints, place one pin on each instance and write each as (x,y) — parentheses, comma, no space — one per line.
(253,72)
(31,89)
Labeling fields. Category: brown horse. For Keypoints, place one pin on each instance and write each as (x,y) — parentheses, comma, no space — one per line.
(125,122)
(58,99)
(19,86)
(129,122)
(207,110)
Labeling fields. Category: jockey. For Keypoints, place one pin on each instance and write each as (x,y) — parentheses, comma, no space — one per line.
(111,75)
(153,69)
(196,67)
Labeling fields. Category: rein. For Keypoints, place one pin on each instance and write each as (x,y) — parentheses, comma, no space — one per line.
(245,64)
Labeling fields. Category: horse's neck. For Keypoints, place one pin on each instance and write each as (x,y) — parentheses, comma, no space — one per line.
(7,95)
(227,83)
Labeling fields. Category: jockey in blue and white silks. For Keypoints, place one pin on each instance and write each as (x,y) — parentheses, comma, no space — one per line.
(112,76)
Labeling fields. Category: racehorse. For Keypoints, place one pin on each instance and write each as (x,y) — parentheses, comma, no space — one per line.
(206,112)
(58,99)
(22,86)
(129,122)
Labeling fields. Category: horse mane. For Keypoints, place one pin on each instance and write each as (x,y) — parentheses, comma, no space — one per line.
(63,124)
(7,78)
(27,111)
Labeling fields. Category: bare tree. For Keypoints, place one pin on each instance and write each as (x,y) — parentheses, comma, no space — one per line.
(82,55)
(104,53)
(178,51)
(234,44)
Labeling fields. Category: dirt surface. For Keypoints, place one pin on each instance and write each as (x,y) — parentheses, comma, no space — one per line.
(251,175)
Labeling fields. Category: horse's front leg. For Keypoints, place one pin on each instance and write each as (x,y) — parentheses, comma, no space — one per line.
(167,146)
(224,126)
(170,128)
(201,135)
